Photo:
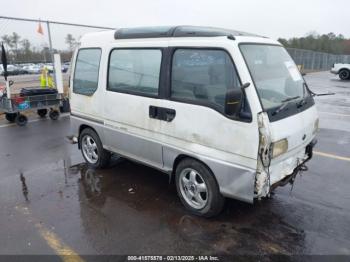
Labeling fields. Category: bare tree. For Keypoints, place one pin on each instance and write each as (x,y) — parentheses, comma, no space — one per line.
(71,42)
(7,40)
(15,39)
(26,45)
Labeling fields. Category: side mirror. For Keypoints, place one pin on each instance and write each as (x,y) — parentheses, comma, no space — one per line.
(244,86)
(303,74)
(11,82)
(236,103)
(233,101)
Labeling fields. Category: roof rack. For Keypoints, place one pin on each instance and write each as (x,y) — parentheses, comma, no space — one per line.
(176,31)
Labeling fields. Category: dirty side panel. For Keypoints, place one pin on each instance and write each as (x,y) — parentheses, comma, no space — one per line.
(234,181)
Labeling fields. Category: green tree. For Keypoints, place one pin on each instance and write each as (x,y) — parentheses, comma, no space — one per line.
(329,43)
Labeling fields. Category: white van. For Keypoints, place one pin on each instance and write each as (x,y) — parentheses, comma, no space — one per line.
(224,113)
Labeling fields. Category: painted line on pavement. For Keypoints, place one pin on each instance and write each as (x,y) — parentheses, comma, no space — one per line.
(343,158)
(336,114)
(66,253)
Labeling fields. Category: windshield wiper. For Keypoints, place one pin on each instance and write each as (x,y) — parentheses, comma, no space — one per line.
(285,102)
(290,99)
(315,94)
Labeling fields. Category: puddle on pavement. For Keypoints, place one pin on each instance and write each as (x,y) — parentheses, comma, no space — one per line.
(130,208)
(131,200)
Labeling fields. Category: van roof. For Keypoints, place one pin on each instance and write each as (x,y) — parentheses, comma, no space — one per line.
(167,32)
(176,31)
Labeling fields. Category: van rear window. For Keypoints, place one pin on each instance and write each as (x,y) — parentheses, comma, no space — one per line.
(135,71)
(87,65)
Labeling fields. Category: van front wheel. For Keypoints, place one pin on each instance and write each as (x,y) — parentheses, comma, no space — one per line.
(198,189)
(91,147)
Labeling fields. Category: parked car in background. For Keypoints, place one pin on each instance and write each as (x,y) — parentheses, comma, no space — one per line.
(32,69)
(49,67)
(65,67)
(21,70)
(13,70)
(343,70)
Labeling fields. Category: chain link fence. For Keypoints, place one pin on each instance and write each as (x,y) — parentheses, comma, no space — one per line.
(31,43)
(316,61)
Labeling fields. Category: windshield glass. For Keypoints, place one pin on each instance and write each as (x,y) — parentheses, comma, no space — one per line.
(274,73)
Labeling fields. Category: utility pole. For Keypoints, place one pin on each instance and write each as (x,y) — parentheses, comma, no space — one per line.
(51,53)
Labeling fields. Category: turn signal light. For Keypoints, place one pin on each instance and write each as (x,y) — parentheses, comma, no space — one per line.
(280,147)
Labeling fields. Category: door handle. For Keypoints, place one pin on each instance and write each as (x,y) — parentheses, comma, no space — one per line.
(162,113)
(153,111)
(169,114)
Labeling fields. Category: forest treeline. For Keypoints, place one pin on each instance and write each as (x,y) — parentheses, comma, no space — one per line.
(21,50)
(328,43)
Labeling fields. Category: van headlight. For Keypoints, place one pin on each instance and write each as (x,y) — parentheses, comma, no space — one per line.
(316,126)
(280,147)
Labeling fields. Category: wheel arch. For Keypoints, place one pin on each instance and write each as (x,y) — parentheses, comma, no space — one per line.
(181,157)
(344,68)
(81,128)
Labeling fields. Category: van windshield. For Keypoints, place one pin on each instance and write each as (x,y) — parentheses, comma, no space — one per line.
(274,73)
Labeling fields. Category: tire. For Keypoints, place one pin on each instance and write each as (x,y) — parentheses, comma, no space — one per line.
(11,117)
(54,114)
(344,74)
(42,112)
(94,153)
(198,189)
(21,120)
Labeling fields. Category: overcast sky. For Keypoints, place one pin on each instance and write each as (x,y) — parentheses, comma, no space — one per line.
(272,18)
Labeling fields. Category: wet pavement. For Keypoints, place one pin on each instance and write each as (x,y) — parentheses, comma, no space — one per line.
(49,196)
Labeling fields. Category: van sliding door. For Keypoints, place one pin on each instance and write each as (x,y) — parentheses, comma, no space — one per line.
(132,87)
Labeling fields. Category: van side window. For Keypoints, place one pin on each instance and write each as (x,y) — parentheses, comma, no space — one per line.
(204,77)
(134,71)
(87,65)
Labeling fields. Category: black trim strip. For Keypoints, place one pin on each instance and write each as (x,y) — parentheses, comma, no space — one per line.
(176,31)
(87,118)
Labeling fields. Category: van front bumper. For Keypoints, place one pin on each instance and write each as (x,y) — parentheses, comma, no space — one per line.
(334,71)
(300,167)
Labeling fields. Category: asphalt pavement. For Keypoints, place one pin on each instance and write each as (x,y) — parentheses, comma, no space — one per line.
(51,203)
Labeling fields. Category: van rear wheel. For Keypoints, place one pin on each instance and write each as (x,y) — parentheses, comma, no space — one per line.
(91,147)
(198,189)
